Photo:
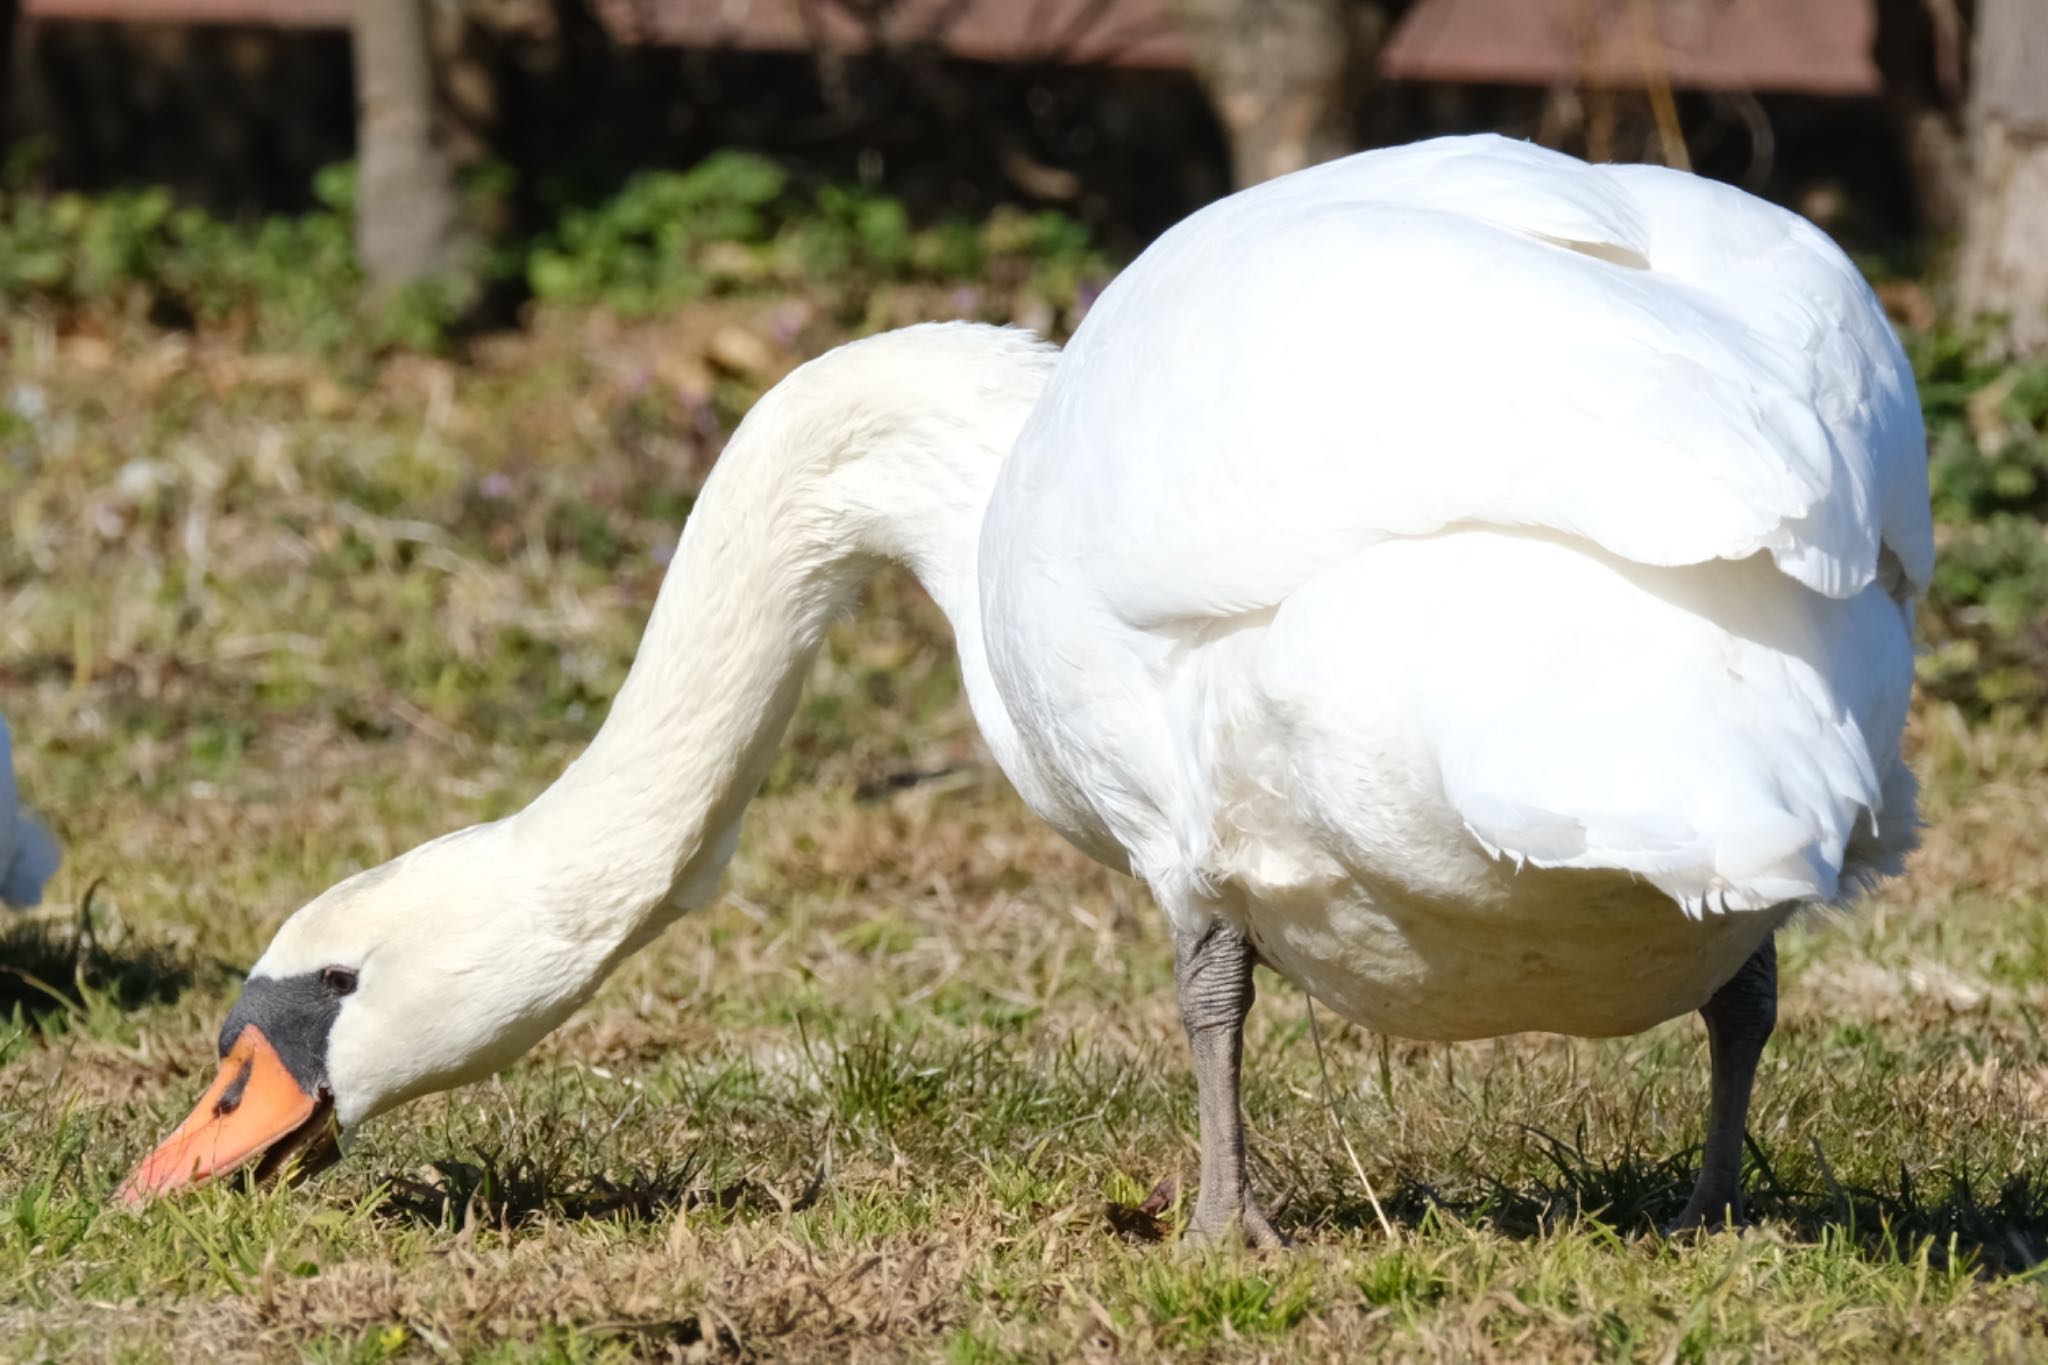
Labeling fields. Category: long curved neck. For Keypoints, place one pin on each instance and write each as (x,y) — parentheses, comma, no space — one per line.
(884,449)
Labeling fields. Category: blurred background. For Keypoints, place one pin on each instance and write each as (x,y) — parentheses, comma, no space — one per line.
(1900,123)
(1905,125)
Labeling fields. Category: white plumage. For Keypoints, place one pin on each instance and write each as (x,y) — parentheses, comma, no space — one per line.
(1400,530)
(1473,582)
(28,855)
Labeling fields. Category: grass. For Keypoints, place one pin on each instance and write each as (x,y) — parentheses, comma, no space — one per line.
(915,1088)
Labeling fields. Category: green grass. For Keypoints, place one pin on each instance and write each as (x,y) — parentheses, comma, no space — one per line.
(904,1092)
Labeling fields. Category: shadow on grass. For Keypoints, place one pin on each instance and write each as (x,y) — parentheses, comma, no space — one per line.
(1997,1227)
(506,1193)
(50,972)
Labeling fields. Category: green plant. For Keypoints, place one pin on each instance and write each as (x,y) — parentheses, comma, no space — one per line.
(287,281)
(731,224)
(643,249)
(1986,617)
(735,223)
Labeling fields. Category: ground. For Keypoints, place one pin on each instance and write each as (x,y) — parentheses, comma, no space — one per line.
(914,1088)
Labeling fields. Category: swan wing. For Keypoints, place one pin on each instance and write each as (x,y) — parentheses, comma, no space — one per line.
(1669,455)
(1716,730)
(1474,330)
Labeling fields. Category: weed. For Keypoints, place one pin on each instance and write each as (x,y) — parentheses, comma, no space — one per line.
(1986,618)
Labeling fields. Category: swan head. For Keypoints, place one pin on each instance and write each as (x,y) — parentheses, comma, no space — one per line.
(433,970)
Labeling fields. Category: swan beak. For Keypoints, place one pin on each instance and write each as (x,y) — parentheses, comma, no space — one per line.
(254,1110)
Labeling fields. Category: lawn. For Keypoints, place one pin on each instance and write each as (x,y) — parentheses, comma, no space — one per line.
(915,1087)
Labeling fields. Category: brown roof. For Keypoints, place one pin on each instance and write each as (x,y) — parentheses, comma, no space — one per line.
(1120,32)
(276,13)
(1818,46)
(1123,32)
(1815,46)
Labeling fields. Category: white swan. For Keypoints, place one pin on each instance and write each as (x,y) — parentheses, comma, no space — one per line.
(1472,582)
(28,855)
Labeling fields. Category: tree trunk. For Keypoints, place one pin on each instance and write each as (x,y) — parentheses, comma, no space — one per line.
(1282,76)
(1920,54)
(2003,267)
(408,214)
(10,23)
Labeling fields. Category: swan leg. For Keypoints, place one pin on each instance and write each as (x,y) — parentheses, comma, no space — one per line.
(1740,1017)
(1212,970)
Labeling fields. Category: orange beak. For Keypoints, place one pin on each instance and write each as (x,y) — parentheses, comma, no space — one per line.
(253,1109)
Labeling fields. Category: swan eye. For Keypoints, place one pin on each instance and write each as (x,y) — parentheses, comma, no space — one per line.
(338,980)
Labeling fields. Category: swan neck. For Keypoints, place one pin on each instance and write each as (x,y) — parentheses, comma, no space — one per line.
(885,449)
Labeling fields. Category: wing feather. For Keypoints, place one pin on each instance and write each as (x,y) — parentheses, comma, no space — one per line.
(1476,331)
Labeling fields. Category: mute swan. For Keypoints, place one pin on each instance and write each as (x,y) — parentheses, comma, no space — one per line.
(28,855)
(1474,583)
